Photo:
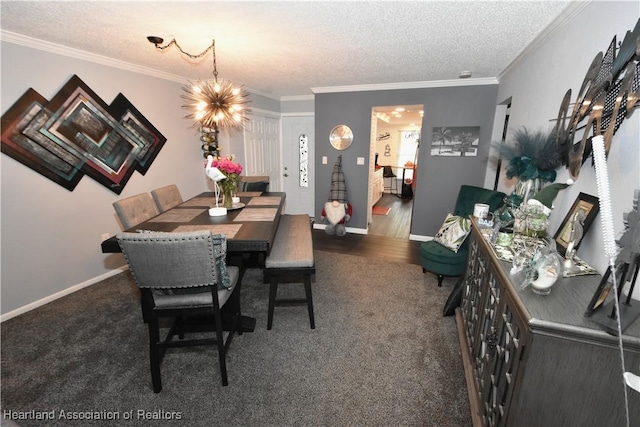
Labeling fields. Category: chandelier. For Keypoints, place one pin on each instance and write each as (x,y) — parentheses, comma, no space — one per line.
(211,104)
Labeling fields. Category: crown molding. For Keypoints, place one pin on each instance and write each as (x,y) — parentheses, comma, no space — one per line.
(57,49)
(567,14)
(298,114)
(407,85)
(297,98)
(31,42)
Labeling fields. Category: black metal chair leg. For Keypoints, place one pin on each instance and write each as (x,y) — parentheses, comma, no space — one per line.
(222,353)
(154,354)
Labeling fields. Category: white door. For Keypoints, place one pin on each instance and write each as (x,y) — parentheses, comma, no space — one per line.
(261,148)
(300,192)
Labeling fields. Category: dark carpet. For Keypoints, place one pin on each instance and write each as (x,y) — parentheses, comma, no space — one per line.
(381,354)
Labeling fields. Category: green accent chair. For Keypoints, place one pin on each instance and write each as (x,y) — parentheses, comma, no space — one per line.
(442,261)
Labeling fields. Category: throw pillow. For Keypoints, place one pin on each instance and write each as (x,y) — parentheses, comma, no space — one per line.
(453,232)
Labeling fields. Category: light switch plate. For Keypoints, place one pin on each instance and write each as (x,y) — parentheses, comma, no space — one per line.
(324,160)
(360,161)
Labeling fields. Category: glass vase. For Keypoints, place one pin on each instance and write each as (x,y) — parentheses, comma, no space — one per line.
(528,188)
(227,195)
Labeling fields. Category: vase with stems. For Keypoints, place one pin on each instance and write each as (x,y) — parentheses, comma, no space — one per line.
(228,191)
(228,186)
(533,157)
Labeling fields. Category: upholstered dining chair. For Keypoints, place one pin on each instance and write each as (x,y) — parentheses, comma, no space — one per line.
(441,259)
(166,197)
(254,183)
(135,209)
(184,276)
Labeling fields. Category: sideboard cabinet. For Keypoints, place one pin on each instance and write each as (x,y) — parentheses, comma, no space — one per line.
(534,360)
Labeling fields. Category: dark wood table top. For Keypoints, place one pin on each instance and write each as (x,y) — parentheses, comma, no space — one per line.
(251,228)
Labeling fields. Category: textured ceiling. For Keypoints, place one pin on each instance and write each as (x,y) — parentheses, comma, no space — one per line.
(287,48)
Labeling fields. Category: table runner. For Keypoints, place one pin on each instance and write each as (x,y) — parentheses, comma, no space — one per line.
(178,215)
(256,214)
(229,230)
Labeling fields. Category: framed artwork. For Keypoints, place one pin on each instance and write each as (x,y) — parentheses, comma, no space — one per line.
(77,134)
(589,207)
(455,142)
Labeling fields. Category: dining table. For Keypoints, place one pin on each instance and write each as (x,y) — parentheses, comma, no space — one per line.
(250,226)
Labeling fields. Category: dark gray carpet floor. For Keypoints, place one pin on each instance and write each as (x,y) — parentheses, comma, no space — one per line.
(381,354)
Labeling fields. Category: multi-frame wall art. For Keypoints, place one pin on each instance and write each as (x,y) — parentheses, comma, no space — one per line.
(76,133)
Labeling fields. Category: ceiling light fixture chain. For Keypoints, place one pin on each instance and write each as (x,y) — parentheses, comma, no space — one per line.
(158,40)
(211,105)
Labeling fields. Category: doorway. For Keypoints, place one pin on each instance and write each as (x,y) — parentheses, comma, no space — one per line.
(395,141)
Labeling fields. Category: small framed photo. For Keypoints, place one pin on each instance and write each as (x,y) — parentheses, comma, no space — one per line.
(589,206)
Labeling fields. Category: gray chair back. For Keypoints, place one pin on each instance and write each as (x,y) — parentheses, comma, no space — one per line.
(167,197)
(135,209)
(176,260)
(254,183)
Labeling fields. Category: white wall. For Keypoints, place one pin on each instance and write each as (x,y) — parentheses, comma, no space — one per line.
(51,236)
(537,85)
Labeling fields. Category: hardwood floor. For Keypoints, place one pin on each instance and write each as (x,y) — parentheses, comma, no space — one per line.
(388,236)
(398,222)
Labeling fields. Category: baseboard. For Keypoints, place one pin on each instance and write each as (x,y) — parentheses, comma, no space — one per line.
(417,237)
(53,297)
(420,238)
(347,229)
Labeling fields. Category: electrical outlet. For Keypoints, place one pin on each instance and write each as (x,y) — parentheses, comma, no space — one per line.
(105,236)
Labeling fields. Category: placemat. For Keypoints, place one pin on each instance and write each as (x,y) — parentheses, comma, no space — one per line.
(265,201)
(199,201)
(229,230)
(257,214)
(178,215)
(249,193)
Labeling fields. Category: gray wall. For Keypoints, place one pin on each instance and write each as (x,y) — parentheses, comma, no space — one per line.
(439,178)
(51,236)
(537,82)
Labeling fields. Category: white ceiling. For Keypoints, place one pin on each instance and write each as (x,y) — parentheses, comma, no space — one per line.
(287,48)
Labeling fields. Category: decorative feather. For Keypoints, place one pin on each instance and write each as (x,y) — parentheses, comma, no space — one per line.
(531,154)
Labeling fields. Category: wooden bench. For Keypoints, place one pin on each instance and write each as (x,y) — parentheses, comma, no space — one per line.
(291,255)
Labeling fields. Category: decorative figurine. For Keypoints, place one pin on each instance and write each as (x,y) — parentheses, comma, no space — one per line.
(577,227)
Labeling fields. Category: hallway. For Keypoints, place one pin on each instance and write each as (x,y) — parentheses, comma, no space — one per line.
(398,222)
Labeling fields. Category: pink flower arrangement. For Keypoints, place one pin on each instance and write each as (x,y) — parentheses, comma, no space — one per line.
(227,166)
(232,171)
